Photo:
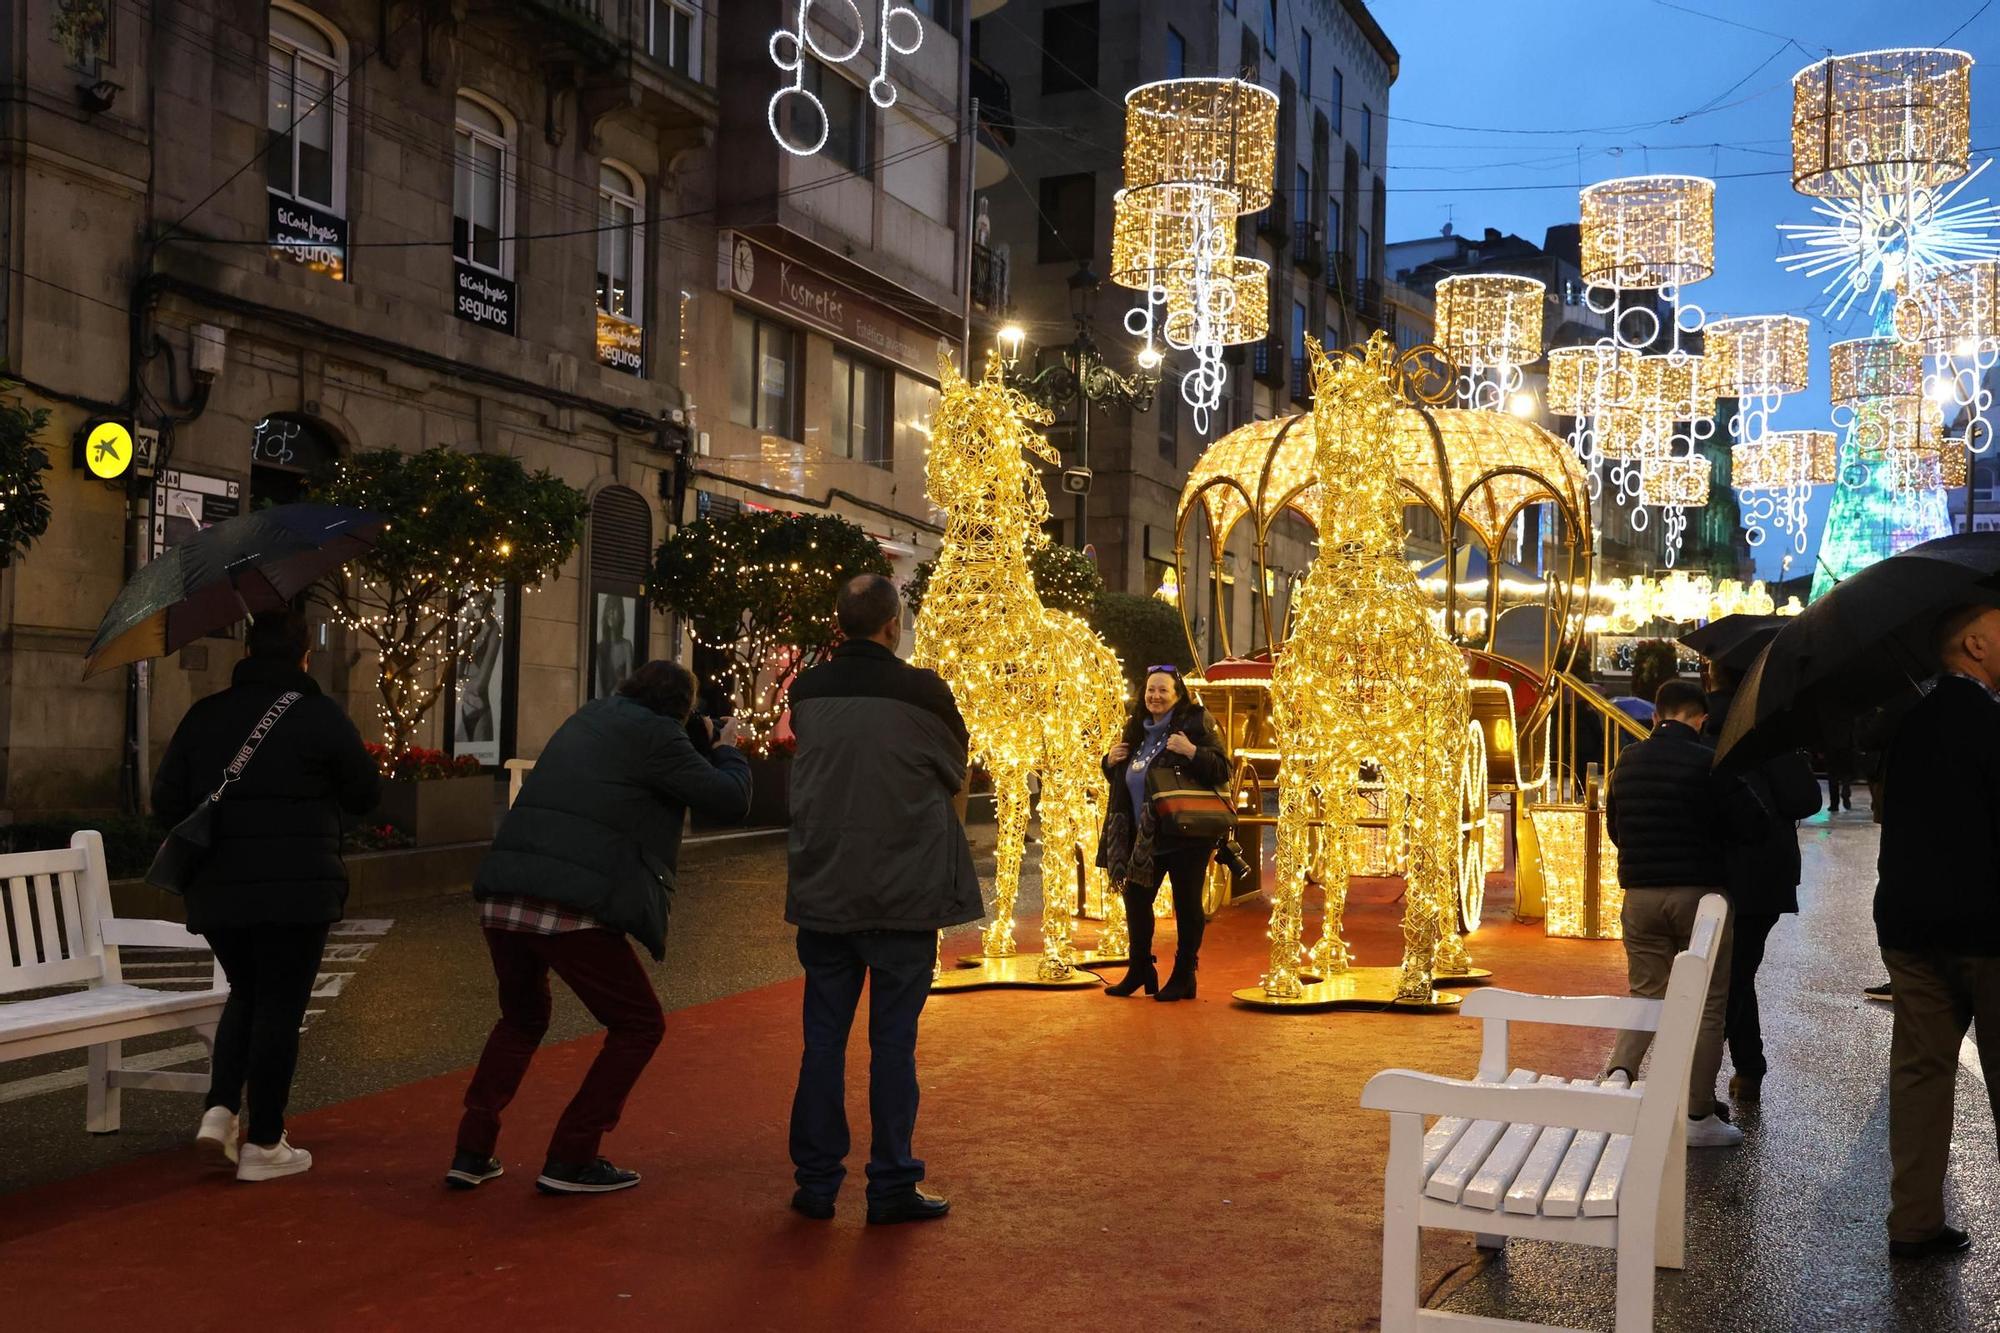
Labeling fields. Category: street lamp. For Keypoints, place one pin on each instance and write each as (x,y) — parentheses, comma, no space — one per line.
(1080,376)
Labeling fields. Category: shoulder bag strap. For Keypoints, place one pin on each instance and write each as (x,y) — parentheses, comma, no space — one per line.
(255,739)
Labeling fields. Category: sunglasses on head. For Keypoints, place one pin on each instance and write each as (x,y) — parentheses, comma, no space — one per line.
(1163,669)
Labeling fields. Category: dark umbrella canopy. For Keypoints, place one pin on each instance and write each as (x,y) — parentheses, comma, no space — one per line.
(1867,640)
(1734,641)
(254,562)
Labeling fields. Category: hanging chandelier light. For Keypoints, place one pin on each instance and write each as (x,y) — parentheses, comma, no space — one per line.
(1754,356)
(1882,122)
(1786,458)
(1648,232)
(1591,378)
(1490,325)
(1674,483)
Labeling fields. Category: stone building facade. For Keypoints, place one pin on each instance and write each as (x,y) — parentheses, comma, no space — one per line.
(278,231)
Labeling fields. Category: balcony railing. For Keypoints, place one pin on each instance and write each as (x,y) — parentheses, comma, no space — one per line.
(1307,245)
(990,294)
(996,101)
(1272,221)
(1301,385)
(1337,269)
(1267,361)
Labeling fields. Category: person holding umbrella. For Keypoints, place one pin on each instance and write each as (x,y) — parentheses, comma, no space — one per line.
(1937,918)
(272,880)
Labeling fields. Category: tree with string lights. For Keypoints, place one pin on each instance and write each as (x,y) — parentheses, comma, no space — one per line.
(758,588)
(24,504)
(462,527)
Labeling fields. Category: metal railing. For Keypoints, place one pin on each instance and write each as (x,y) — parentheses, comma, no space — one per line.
(1584,728)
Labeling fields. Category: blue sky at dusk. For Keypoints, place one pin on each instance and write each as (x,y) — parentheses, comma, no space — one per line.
(1503,110)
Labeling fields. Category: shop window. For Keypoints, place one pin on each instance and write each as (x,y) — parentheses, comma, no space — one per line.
(1068,225)
(916,407)
(482,187)
(306,111)
(859,421)
(621,551)
(1069,48)
(673,35)
(763,375)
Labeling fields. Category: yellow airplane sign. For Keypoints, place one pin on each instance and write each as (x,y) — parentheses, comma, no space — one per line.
(108,451)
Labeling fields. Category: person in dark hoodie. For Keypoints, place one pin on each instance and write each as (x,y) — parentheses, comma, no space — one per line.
(1762,879)
(1671,819)
(1937,918)
(272,881)
(587,856)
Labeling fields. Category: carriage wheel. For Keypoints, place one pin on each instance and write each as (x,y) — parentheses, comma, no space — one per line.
(1472,834)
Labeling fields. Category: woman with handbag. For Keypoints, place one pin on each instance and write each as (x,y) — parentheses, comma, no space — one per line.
(1166,750)
(264,769)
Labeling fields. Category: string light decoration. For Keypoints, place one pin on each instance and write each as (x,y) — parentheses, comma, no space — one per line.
(1648,232)
(1754,355)
(1881,120)
(1591,378)
(1367,683)
(791,46)
(1786,458)
(1199,153)
(1957,321)
(1490,324)
(1040,692)
(1674,483)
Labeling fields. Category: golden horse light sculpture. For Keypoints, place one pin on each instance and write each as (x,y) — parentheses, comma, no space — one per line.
(1366,683)
(1041,693)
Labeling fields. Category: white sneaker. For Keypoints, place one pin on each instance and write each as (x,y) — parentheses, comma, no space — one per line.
(216,1139)
(281,1159)
(1711,1131)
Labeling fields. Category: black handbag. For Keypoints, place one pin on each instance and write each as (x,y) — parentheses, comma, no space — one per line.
(187,843)
(1184,808)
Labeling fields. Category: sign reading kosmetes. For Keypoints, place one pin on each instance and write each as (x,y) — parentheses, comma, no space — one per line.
(309,236)
(621,344)
(753,272)
(482,298)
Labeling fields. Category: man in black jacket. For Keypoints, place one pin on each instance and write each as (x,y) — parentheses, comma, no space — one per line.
(1937,917)
(878,865)
(1666,813)
(1762,878)
(272,881)
(586,856)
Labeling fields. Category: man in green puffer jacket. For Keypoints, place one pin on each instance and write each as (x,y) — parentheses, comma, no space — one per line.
(585,857)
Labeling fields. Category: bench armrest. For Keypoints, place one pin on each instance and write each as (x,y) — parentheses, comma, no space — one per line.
(1611,1110)
(1628,1013)
(132,932)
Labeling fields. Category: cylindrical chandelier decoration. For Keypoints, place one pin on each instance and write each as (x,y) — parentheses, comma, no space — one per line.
(1674,483)
(1237,293)
(1674,387)
(1160,226)
(1491,318)
(1634,432)
(1587,380)
(1216,132)
(1872,368)
(1881,121)
(1648,231)
(1957,313)
(1786,458)
(1904,424)
(1754,355)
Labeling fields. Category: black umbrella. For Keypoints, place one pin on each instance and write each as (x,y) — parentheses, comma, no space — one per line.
(224,573)
(1867,640)
(1734,641)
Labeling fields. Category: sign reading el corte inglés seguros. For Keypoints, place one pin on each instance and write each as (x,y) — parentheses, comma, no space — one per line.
(482,298)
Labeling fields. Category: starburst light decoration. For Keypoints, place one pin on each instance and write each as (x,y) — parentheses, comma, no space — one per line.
(1367,680)
(1199,153)
(1040,692)
(792,47)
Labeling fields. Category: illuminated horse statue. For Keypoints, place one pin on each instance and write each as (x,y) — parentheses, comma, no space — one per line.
(1040,692)
(1367,681)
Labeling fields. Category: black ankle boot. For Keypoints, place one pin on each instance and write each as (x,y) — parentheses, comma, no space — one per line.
(1180,986)
(1137,974)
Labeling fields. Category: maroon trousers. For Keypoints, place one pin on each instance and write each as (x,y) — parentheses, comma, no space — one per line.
(607,976)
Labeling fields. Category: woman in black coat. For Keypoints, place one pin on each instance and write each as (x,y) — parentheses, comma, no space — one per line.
(1168,730)
(272,880)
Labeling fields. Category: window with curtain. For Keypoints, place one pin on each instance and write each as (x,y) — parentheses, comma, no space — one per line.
(482,188)
(620,247)
(859,427)
(673,36)
(305,112)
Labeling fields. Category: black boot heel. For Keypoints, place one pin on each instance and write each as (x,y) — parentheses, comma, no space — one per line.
(1137,974)
(1180,986)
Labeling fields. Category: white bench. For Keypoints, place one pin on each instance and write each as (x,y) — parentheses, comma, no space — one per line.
(1515,1153)
(56,929)
(517,773)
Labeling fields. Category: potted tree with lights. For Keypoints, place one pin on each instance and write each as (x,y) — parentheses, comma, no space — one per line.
(463,526)
(757,589)
(24,504)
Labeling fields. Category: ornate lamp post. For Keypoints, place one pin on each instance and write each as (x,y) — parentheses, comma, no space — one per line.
(1081,376)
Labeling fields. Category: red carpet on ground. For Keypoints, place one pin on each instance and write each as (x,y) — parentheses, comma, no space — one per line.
(1121,1163)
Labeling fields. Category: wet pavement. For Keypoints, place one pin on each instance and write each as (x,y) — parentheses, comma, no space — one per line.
(1786,1231)
(408,994)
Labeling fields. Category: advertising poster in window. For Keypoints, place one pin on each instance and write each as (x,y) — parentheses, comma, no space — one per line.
(614,650)
(482,298)
(621,344)
(479,676)
(309,236)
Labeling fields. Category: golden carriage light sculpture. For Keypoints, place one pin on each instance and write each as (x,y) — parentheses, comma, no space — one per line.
(1474,473)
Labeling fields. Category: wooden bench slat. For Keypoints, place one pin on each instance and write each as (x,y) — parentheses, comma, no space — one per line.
(1448,1182)
(72,911)
(1601,1199)
(1531,1183)
(1497,1172)
(25,944)
(51,926)
(1579,1167)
